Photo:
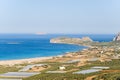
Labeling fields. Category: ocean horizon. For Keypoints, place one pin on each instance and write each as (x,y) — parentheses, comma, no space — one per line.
(23,46)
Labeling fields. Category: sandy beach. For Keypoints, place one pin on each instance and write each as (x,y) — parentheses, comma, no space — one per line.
(22,61)
(28,60)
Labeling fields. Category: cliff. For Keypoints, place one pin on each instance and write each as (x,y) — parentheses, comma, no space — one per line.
(117,37)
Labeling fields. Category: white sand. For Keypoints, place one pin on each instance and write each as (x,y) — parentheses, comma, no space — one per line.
(21,61)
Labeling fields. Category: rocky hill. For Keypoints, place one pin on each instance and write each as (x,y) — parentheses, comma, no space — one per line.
(81,41)
(117,37)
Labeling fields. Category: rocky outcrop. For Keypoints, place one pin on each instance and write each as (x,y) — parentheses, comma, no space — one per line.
(117,37)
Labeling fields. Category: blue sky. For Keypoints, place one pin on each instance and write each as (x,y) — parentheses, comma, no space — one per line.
(60,16)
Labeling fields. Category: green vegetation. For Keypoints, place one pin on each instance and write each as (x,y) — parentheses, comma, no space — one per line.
(114,65)
(4,69)
(110,76)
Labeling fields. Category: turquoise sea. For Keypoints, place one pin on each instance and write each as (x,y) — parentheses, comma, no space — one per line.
(21,46)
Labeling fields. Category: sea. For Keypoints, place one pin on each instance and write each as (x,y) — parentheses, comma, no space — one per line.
(23,46)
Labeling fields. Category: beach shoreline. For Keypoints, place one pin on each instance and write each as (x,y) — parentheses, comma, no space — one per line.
(36,59)
(23,61)
(31,60)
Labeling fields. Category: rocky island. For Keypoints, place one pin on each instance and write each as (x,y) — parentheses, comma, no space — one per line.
(85,41)
(67,39)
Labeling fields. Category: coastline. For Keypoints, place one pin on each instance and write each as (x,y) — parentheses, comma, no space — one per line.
(37,59)
(32,60)
(27,60)
(22,61)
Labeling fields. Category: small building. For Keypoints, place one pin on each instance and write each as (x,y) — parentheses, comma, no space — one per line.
(62,67)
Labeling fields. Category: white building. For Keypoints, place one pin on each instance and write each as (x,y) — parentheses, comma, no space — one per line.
(62,68)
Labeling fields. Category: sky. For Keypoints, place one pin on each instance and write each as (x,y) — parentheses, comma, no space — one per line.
(60,16)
